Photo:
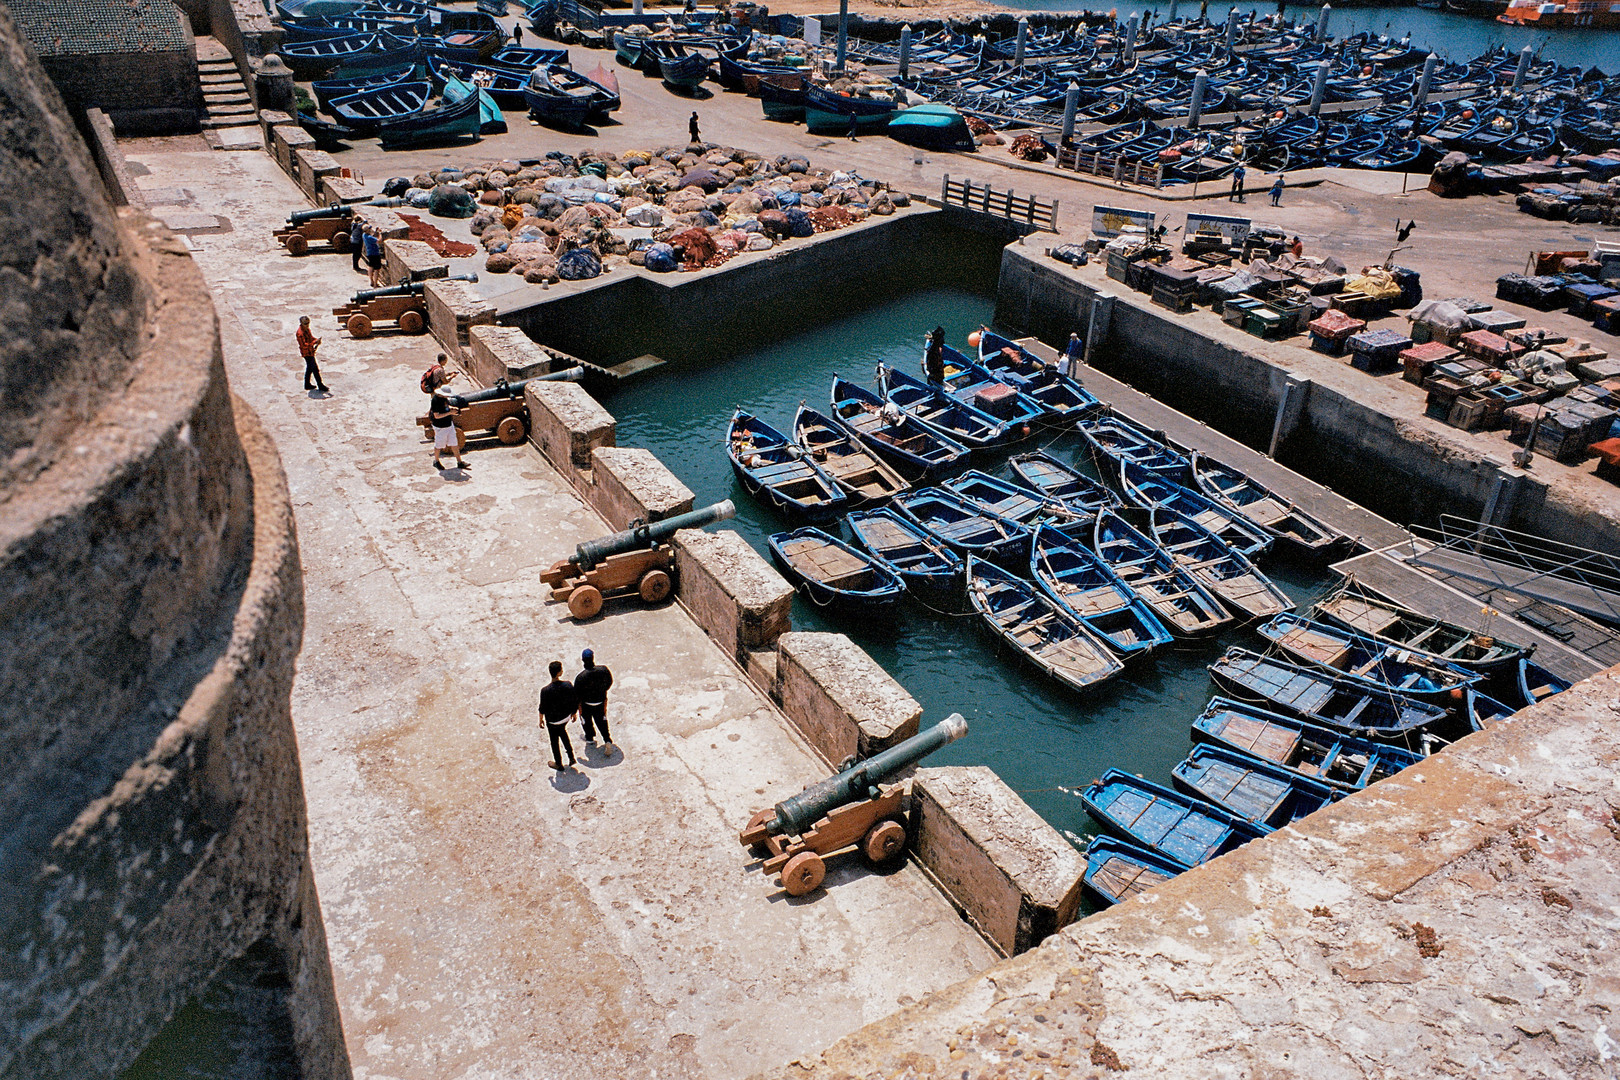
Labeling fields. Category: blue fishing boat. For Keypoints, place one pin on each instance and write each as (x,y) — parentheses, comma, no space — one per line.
(918,452)
(1481,711)
(925,563)
(829,113)
(1045,635)
(1013,501)
(1434,639)
(739,72)
(678,66)
(1114,441)
(1117,870)
(1535,683)
(443,122)
(490,120)
(1364,659)
(1263,508)
(1085,587)
(778,473)
(327,135)
(1262,794)
(468,36)
(1166,822)
(781,99)
(1055,480)
(1323,698)
(328,90)
(551,104)
(1182,605)
(931,126)
(831,573)
(367,110)
(316,56)
(1151,491)
(964,528)
(977,388)
(528,59)
(865,478)
(937,410)
(392,51)
(1227,574)
(504,85)
(1316,753)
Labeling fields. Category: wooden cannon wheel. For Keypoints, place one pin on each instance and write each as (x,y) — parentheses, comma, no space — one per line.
(297,243)
(412,321)
(510,430)
(340,242)
(883,842)
(803,873)
(654,586)
(359,325)
(585,602)
(760,817)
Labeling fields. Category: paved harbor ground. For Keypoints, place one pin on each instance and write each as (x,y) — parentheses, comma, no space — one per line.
(488,919)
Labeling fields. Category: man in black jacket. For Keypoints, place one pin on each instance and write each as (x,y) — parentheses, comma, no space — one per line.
(592,685)
(558,703)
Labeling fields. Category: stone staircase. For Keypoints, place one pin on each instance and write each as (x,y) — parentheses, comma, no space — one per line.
(231,123)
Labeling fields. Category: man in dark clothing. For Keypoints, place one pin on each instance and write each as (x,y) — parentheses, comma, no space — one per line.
(934,359)
(592,685)
(854,127)
(517,36)
(558,703)
(357,241)
(1237,184)
(691,125)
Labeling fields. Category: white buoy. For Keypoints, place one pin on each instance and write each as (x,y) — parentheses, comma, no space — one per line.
(1071,105)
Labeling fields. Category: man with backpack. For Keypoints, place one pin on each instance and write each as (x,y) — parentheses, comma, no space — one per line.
(437,375)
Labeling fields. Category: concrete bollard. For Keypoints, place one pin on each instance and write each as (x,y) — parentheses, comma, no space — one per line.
(1523,68)
(1231,31)
(1322,22)
(905,49)
(1071,105)
(1421,98)
(1319,87)
(1018,46)
(637,8)
(843,33)
(1132,28)
(1172,16)
(1200,84)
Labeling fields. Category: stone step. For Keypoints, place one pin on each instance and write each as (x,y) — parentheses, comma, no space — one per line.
(241,113)
(213,101)
(219,123)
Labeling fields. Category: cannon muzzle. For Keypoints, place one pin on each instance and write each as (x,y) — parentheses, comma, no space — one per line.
(409,288)
(798,813)
(503,389)
(385,200)
(298,217)
(588,554)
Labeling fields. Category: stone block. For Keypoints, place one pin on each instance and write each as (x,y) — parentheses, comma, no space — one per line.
(269,119)
(504,352)
(630,483)
(732,592)
(453,309)
(839,698)
(412,260)
(342,189)
(314,166)
(285,140)
(1014,875)
(389,225)
(567,424)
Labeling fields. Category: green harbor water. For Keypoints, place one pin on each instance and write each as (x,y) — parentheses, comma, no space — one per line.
(1042,740)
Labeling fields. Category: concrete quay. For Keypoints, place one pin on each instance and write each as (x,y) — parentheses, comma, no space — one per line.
(486,919)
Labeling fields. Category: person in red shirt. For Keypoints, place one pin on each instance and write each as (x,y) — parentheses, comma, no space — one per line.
(307,344)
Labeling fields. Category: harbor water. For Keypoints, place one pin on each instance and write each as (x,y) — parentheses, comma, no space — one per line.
(1042,740)
(1454,37)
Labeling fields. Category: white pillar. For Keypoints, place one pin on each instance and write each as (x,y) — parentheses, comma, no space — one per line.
(1322,22)
(1018,47)
(1231,31)
(637,8)
(1319,88)
(1429,64)
(1200,81)
(1071,105)
(1131,29)
(905,49)
(1524,67)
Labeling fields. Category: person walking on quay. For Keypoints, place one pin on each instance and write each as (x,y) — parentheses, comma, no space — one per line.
(692,126)
(558,704)
(517,35)
(934,358)
(1236,194)
(592,685)
(307,344)
(1277,190)
(854,126)
(374,256)
(442,418)
(437,375)
(357,241)
(1073,356)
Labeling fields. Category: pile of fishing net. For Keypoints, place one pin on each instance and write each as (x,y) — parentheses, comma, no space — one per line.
(1028,148)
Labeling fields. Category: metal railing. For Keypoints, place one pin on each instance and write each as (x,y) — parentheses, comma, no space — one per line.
(984,199)
(1574,577)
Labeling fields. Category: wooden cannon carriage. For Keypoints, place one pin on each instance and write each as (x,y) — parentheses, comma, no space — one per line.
(404,305)
(502,409)
(637,560)
(329,225)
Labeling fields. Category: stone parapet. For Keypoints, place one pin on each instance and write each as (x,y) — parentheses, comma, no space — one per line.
(285,141)
(1014,875)
(838,697)
(731,591)
(630,484)
(453,309)
(312,167)
(504,352)
(567,424)
(389,225)
(412,260)
(269,120)
(342,189)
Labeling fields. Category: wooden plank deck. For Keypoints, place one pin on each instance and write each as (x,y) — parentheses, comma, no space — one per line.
(1577,596)
(1370,531)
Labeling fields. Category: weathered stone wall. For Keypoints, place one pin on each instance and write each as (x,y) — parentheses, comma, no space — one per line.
(503,352)
(732,592)
(147,93)
(151,599)
(631,484)
(838,697)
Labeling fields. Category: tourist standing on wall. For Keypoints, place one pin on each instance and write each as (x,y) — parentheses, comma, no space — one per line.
(307,344)
(357,241)
(374,258)
(934,358)
(592,685)
(558,703)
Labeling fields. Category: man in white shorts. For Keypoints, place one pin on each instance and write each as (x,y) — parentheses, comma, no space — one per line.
(443,417)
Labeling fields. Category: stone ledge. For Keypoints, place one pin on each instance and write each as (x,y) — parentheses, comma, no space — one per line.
(313,166)
(269,120)
(285,140)
(1014,875)
(838,697)
(453,309)
(567,424)
(731,591)
(630,483)
(504,352)
(412,260)
(342,189)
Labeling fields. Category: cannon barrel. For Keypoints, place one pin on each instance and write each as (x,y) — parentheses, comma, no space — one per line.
(797,813)
(298,217)
(503,389)
(591,552)
(409,288)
